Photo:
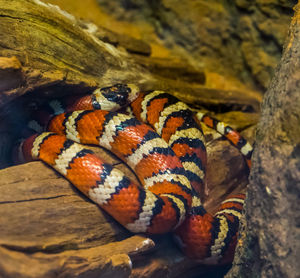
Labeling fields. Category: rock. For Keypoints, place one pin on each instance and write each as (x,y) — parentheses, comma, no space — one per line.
(243,4)
(270,243)
(213,35)
(261,64)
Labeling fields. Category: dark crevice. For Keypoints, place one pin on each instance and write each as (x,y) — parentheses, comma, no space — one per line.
(280,9)
(34,199)
(12,17)
(51,249)
(268,39)
(223,108)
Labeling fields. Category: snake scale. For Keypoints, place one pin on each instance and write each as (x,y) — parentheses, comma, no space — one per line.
(161,140)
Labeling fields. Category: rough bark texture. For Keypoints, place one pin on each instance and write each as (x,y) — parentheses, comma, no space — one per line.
(52,50)
(271,236)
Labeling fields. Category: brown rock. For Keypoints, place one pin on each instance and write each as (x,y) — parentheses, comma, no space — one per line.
(212,35)
(270,245)
(261,64)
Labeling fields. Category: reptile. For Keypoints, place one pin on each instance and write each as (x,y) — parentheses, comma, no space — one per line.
(161,140)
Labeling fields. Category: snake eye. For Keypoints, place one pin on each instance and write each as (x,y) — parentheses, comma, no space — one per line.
(117,93)
(121,94)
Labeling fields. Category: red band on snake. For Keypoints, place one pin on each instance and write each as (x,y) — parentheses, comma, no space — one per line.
(169,159)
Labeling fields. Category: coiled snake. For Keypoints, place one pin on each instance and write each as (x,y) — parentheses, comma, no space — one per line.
(163,144)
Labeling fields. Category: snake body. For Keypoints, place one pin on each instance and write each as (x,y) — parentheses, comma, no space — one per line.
(163,144)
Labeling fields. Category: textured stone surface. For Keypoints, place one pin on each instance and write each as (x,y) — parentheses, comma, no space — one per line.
(243,38)
(271,245)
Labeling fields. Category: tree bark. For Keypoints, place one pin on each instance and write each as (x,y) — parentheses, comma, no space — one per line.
(53,49)
(270,238)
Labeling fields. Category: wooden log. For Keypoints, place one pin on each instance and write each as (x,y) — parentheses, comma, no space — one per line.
(53,49)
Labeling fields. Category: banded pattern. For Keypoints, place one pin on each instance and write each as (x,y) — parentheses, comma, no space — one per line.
(176,124)
(170,169)
(232,135)
(109,98)
(135,207)
(149,156)
(212,240)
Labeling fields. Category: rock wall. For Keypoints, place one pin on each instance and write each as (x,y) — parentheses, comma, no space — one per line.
(271,245)
(242,38)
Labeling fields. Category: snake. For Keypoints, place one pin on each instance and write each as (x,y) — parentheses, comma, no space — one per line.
(160,138)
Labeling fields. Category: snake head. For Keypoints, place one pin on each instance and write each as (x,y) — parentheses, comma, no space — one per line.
(116,96)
